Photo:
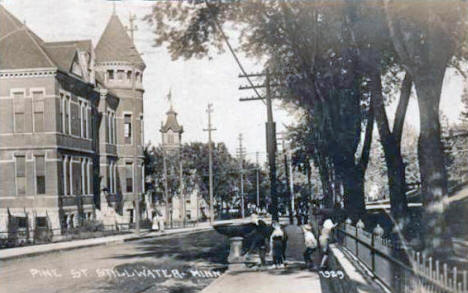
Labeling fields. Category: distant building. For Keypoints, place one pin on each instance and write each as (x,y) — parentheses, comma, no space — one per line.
(193,202)
(71,125)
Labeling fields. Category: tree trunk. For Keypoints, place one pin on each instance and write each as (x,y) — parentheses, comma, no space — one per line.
(353,183)
(431,164)
(392,153)
(309,179)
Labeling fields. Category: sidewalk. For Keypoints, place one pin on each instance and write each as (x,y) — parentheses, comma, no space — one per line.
(294,278)
(12,253)
(291,279)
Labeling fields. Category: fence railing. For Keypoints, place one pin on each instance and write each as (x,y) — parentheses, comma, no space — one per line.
(398,267)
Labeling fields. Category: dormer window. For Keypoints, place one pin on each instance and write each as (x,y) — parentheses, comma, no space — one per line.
(110,74)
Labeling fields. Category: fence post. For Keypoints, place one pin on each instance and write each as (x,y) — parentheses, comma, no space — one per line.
(376,233)
(359,225)
(464,281)
(454,278)
(445,275)
(372,253)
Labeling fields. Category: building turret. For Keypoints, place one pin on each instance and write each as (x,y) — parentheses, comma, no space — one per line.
(120,68)
(171,132)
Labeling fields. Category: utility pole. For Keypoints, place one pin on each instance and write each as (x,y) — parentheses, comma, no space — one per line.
(241,172)
(166,191)
(287,176)
(258,183)
(291,181)
(270,135)
(210,110)
(181,191)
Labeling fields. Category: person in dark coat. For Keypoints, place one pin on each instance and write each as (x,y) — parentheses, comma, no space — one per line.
(260,240)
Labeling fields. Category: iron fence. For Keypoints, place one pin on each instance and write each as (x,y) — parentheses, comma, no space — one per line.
(397,267)
(42,235)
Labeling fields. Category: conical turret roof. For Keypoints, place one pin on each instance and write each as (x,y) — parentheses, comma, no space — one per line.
(115,44)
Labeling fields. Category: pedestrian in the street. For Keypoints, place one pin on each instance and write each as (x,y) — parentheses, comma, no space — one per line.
(155,220)
(277,243)
(324,241)
(310,246)
(160,221)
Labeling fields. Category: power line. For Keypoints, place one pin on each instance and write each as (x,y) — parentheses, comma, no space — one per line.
(218,26)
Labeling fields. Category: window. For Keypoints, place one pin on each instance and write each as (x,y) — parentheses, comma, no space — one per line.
(128,128)
(110,126)
(83,119)
(110,74)
(76,119)
(65,175)
(142,131)
(88,122)
(114,128)
(76,177)
(114,177)
(109,178)
(41,222)
(61,111)
(107,127)
(19,102)
(40,175)
(88,176)
(20,175)
(38,111)
(129,75)
(170,138)
(84,176)
(66,120)
(22,222)
(137,77)
(120,74)
(129,176)
(142,178)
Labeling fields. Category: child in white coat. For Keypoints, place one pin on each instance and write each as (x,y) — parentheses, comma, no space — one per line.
(277,245)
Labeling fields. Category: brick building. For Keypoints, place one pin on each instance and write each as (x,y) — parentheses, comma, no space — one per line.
(71,125)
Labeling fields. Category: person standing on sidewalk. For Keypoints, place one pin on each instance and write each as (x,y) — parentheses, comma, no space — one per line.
(277,243)
(160,220)
(324,241)
(259,240)
(310,246)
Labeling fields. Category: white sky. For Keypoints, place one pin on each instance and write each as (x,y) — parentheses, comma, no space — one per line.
(194,83)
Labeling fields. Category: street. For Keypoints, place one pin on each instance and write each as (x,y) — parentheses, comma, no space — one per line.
(180,263)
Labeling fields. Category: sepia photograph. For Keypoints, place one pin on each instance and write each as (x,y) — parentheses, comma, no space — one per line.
(225,146)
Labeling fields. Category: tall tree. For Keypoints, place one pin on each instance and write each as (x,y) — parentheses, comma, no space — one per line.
(427,35)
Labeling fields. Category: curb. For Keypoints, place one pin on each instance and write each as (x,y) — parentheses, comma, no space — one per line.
(108,242)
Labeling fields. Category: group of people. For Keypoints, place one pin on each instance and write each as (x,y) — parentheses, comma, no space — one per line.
(274,239)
